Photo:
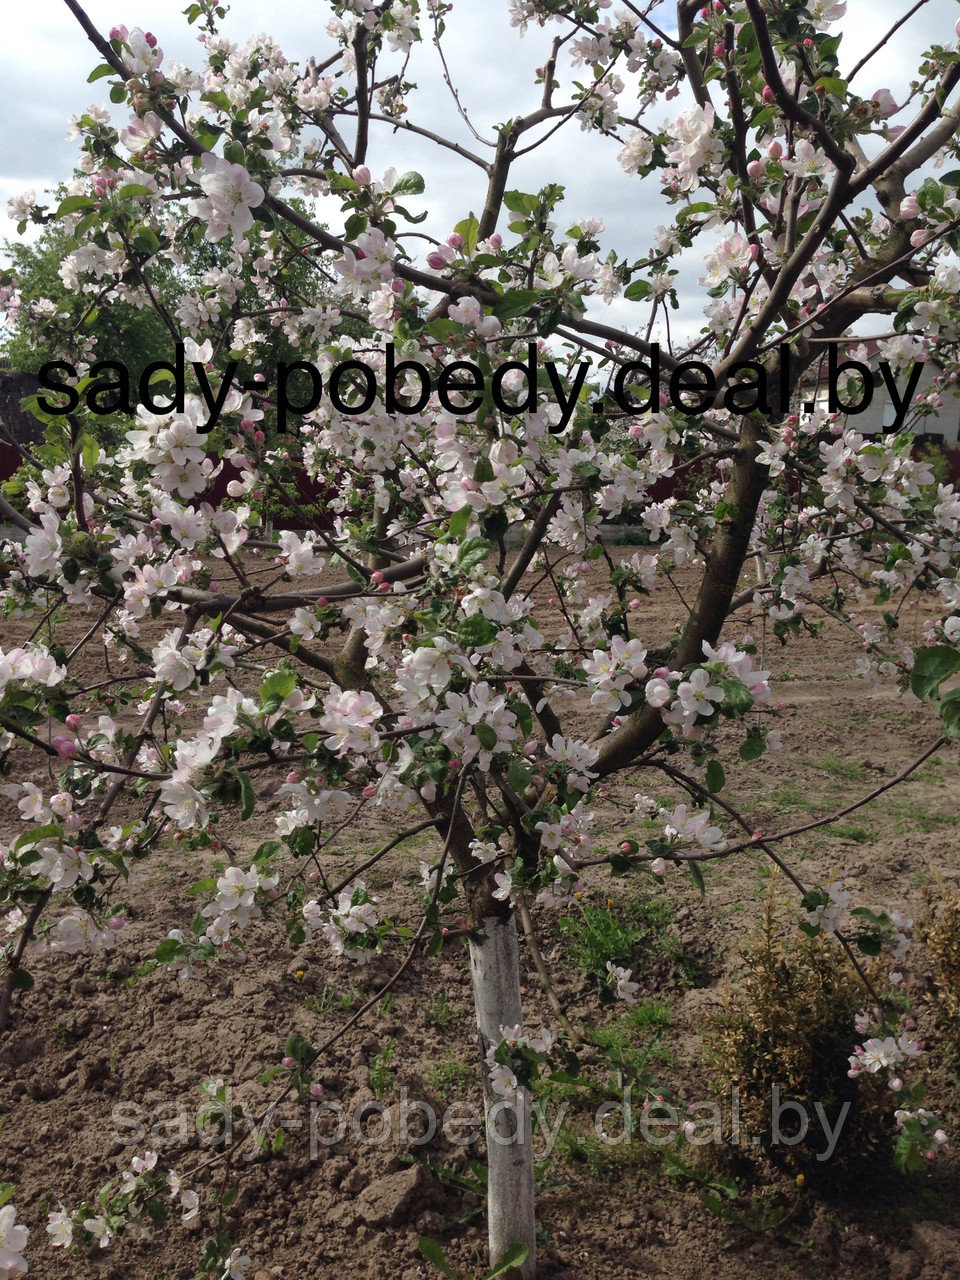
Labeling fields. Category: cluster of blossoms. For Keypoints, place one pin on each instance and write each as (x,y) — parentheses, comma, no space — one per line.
(514,1060)
(235,904)
(827,914)
(352,929)
(620,980)
(128,1211)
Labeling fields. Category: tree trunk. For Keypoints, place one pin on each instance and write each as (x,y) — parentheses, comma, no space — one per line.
(495,968)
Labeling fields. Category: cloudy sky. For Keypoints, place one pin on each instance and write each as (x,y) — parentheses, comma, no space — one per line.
(45,59)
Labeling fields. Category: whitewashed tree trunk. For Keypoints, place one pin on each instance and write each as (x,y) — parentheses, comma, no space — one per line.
(495,967)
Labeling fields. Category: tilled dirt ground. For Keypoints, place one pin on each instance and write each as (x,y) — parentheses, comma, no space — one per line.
(106,1053)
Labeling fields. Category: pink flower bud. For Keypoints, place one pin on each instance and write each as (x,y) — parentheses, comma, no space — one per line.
(719,49)
(361,175)
(376,576)
(496,240)
(72,722)
(313,877)
(292,777)
(150,38)
(909,207)
(624,846)
(767,93)
(288,1062)
(273,895)
(116,923)
(65,747)
(658,866)
(775,150)
(369,791)
(455,240)
(689,1128)
(755,169)
(436,260)
(316,1090)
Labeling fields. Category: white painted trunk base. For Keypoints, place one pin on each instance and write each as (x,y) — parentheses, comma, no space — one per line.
(495,967)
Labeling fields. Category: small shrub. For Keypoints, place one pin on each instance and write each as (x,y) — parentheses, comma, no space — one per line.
(939,932)
(787,1022)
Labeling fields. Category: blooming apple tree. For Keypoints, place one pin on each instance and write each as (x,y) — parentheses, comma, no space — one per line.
(387,658)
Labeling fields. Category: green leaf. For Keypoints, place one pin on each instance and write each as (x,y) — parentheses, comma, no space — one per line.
(21,980)
(515,1255)
(468,228)
(72,203)
(696,875)
(408,184)
(518,776)
(869,944)
(168,950)
(931,667)
(637,291)
(433,1253)
(460,521)
(476,631)
(516,303)
(355,226)
(737,694)
(50,831)
(483,471)
(278,684)
(134,189)
(473,551)
(299,1049)
(247,795)
(486,735)
(948,709)
(99,72)
(715,776)
(752,748)
(6,1192)
(832,84)
(206,885)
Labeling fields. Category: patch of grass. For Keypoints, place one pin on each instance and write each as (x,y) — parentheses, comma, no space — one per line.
(788,797)
(604,1160)
(381,1077)
(860,834)
(915,815)
(440,1013)
(450,1078)
(840,767)
(600,934)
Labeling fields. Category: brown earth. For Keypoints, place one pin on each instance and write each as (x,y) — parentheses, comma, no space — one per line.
(104,1043)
